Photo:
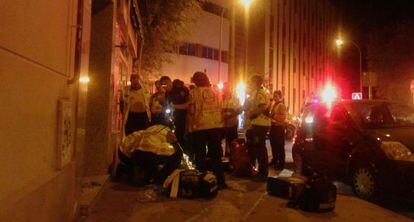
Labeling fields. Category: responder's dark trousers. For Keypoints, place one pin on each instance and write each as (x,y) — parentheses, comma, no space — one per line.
(180,123)
(230,134)
(135,122)
(211,139)
(277,141)
(149,162)
(256,144)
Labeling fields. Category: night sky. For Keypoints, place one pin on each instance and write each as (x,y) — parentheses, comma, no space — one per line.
(357,18)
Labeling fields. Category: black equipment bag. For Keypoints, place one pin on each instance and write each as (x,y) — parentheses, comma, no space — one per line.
(319,195)
(285,187)
(194,183)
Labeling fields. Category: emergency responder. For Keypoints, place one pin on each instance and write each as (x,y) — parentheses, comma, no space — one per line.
(206,121)
(179,99)
(277,130)
(258,124)
(167,107)
(156,104)
(138,112)
(146,150)
(231,110)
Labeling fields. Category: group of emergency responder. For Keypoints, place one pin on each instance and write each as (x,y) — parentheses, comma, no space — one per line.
(201,116)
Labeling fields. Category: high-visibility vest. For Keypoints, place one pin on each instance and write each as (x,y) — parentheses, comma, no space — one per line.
(258,97)
(230,105)
(152,139)
(206,106)
(278,114)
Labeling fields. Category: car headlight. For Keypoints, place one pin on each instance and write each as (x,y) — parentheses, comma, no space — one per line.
(397,151)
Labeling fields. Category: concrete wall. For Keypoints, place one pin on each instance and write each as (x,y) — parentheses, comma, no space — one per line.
(183,67)
(205,31)
(100,90)
(36,60)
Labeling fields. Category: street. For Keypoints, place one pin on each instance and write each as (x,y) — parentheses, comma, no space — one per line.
(244,200)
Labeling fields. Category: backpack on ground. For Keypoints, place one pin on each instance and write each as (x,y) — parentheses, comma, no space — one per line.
(286,187)
(319,195)
(194,183)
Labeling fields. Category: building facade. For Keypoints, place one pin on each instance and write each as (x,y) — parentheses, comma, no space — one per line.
(206,47)
(63,65)
(289,42)
(37,93)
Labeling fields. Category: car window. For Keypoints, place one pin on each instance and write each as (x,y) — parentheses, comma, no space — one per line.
(383,114)
(402,115)
(339,115)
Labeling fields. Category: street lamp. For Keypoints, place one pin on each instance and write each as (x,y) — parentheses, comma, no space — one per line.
(339,42)
(246,3)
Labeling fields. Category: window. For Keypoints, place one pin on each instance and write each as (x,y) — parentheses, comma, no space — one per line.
(192,49)
(271,59)
(224,56)
(294,36)
(338,115)
(296,6)
(183,49)
(205,52)
(305,39)
(209,53)
(199,49)
(294,65)
(304,68)
(216,54)
(294,99)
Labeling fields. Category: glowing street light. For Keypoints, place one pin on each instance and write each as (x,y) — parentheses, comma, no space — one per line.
(246,3)
(329,94)
(220,86)
(241,92)
(339,42)
(84,79)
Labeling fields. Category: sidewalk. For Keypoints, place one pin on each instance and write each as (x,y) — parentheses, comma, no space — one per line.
(243,201)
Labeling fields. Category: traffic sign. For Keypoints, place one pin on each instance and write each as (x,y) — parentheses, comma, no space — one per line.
(412,86)
(357,96)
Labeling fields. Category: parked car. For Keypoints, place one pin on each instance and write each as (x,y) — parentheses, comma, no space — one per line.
(367,143)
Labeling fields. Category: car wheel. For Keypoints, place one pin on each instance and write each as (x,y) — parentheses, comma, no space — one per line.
(363,183)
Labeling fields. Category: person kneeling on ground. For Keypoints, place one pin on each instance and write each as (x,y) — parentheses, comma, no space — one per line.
(146,150)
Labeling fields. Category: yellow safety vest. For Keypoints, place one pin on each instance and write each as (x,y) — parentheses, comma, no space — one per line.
(278,114)
(152,139)
(258,97)
(138,101)
(206,109)
(232,104)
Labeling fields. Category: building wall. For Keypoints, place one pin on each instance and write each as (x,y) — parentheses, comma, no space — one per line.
(36,60)
(290,43)
(206,32)
(114,48)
